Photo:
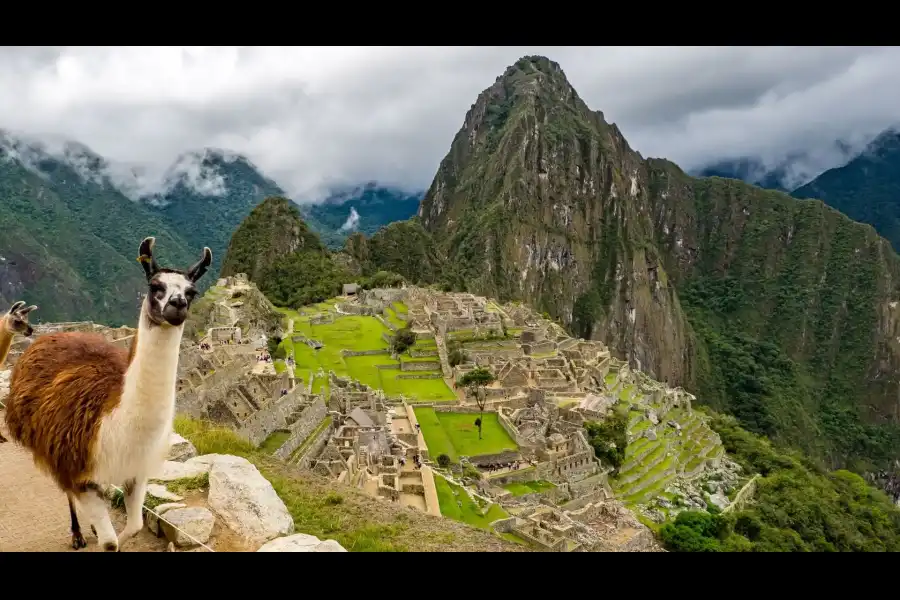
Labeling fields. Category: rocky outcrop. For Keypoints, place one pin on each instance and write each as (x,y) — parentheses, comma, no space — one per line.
(180,449)
(301,542)
(244,500)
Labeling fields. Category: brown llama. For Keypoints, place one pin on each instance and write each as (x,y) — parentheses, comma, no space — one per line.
(93,413)
(13,322)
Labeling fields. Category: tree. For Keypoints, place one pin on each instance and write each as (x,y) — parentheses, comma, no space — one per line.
(403,340)
(272,343)
(443,461)
(476,380)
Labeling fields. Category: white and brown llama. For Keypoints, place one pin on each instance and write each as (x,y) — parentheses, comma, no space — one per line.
(93,413)
(15,321)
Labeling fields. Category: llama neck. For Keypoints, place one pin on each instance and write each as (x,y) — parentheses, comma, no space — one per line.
(6,338)
(151,376)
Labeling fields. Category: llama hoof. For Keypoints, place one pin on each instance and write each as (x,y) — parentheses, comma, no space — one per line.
(111,547)
(78,541)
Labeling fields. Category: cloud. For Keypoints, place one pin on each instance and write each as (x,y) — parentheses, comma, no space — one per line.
(312,118)
(352,221)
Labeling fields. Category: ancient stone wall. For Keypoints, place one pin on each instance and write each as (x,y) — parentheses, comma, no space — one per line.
(309,419)
(271,417)
(315,447)
(415,365)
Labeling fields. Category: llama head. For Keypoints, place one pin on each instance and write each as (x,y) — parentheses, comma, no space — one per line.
(16,320)
(171,291)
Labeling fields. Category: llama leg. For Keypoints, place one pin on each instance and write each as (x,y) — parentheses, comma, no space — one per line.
(93,507)
(135,493)
(77,539)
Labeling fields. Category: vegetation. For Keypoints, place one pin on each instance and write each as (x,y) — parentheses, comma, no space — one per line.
(609,438)
(319,507)
(796,508)
(376,206)
(403,340)
(529,487)
(866,189)
(476,380)
(455,435)
(355,333)
(456,504)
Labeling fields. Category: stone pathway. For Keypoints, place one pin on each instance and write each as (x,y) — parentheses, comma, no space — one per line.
(34,512)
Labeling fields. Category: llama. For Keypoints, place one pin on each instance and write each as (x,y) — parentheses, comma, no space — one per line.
(15,321)
(93,413)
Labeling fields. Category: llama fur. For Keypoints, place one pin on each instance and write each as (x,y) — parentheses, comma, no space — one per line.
(93,413)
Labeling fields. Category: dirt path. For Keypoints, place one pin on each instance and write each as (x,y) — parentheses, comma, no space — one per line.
(34,513)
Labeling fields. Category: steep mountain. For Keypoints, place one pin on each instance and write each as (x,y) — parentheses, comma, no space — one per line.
(403,247)
(286,260)
(867,188)
(750,170)
(70,238)
(208,194)
(781,312)
(365,209)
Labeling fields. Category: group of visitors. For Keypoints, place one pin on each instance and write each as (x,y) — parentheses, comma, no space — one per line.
(492,467)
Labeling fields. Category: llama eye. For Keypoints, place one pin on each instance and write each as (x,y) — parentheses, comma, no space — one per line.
(156,289)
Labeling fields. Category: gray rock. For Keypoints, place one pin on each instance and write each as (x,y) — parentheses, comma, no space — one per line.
(719,500)
(187,527)
(159,491)
(653,417)
(650,435)
(301,542)
(712,487)
(180,449)
(173,471)
(153,520)
(245,500)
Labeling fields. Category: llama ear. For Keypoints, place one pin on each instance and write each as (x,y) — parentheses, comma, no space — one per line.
(146,257)
(25,311)
(15,307)
(199,269)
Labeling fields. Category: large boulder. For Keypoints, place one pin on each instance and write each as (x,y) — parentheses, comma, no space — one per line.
(301,542)
(244,499)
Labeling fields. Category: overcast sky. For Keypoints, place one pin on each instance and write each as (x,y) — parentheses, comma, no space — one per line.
(313,116)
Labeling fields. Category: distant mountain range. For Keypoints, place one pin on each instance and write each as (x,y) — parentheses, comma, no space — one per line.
(72,220)
(866,187)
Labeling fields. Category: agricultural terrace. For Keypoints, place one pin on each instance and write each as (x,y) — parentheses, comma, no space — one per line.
(356,333)
(458,505)
(455,434)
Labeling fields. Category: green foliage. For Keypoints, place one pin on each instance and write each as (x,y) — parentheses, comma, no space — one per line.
(404,248)
(796,507)
(866,189)
(382,279)
(694,531)
(478,377)
(403,340)
(443,461)
(377,206)
(274,344)
(609,438)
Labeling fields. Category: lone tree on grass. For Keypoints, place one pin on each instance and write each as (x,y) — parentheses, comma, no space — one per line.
(476,380)
(403,340)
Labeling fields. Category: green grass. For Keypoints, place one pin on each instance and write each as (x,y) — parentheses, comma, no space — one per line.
(469,512)
(529,487)
(358,333)
(455,434)
(392,318)
(274,441)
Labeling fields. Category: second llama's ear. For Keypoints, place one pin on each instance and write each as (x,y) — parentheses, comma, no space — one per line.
(15,307)
(199,269)
(146,257)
